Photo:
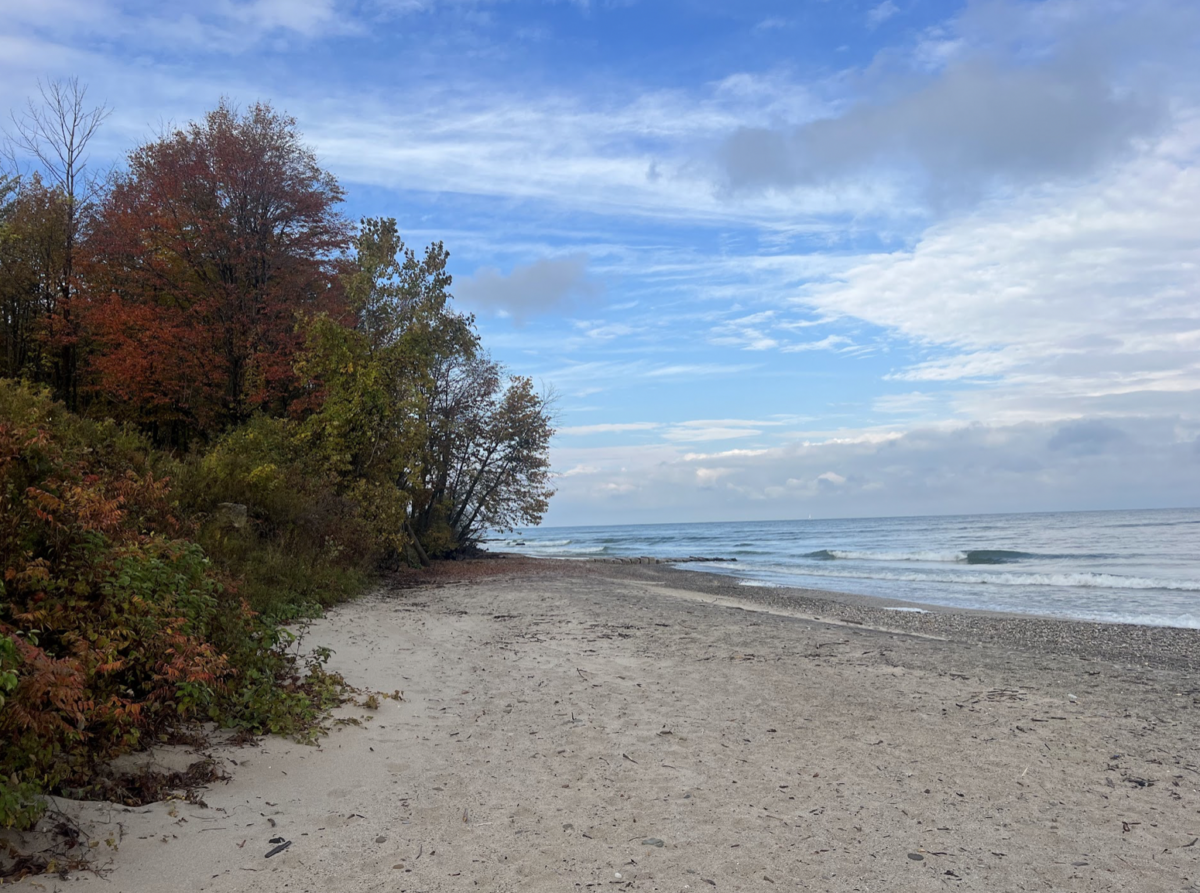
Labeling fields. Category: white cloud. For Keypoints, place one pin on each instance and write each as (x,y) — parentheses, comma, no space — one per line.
(307,17)
(579,469)
(606,428)
(224,26)
(1079,464)
(1023,93)
(829,342)
(773,23)
(681,370)
(897,404)
(1086,290)
(694,434)
(881,13)
(545,285)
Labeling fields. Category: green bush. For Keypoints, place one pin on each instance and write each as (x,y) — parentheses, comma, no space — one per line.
(303,545)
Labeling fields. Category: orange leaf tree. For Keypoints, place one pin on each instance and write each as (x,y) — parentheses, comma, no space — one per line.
(204,254)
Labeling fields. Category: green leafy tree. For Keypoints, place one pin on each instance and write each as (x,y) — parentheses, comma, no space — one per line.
(413,416)
(487,461)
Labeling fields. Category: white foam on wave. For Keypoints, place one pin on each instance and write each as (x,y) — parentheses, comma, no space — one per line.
(760,584)
(1080,580)
(1183,621)
(906,610)
(853,555)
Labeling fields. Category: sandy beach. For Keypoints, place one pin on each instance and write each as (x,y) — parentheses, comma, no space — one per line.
(593,726)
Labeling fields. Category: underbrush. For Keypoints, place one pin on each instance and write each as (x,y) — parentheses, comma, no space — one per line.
(270,515)
(131,607)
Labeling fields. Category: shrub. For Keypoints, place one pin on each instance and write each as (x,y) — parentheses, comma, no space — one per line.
(304,545)
(114,627)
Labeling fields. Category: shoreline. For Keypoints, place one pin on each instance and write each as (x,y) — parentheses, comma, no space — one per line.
(572,727)
(1167,647)
(1164,647)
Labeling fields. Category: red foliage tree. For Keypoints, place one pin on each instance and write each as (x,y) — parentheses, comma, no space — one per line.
(203,255)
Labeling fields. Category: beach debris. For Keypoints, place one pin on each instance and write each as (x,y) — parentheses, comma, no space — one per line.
(916,857)
(653,841)
(1001,694)
(631,759)
(381,839)
(279,849)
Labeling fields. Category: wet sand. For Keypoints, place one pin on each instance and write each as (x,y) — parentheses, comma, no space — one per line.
(591,726)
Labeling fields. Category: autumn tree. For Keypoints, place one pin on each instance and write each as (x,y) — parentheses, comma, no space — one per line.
(54,134)
(33,328)
(207,251)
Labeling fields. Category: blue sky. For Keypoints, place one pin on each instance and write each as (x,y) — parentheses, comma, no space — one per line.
(776,259)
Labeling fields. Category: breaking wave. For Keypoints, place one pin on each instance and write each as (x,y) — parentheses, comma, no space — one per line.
(972,556)
(1082,579)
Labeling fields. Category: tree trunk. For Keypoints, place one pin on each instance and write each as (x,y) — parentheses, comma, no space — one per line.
(424,559)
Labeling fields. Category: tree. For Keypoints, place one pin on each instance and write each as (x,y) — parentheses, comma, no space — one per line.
(487,461)
(206,253)
(414,413)
(55,134)
(32,246)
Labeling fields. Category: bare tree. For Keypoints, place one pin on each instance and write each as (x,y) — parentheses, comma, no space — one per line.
(55,134)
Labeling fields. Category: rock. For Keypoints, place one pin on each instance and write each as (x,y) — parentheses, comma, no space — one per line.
(231,514)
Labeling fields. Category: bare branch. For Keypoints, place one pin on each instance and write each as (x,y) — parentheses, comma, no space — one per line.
(56,134)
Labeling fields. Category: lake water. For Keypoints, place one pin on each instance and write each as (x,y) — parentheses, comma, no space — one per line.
(1124,566)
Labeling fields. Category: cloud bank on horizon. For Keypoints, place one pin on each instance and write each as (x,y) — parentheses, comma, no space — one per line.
(778,259)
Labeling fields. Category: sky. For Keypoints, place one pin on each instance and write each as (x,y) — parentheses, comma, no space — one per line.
(774,259)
